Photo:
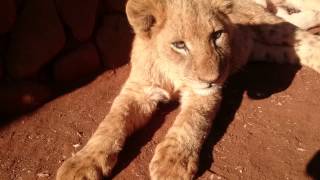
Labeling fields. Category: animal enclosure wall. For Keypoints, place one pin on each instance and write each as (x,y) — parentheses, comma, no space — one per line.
(48,46)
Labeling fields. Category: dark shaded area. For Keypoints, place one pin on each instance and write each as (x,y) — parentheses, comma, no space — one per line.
(12,92)
(313,167)
(25,97)
(111,37)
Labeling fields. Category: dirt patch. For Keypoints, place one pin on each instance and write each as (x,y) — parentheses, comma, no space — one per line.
(268,128)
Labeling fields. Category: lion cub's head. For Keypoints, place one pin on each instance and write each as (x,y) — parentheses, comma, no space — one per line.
(192,37)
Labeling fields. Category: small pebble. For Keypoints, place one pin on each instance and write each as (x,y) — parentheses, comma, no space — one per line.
(76,145)
(301,149)
(43,175)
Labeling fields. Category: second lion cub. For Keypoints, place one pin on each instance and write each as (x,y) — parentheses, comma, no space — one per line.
(186,49)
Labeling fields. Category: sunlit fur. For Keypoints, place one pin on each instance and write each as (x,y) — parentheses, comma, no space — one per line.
(307,13)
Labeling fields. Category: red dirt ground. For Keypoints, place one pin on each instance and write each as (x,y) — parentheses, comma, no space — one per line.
(268,128)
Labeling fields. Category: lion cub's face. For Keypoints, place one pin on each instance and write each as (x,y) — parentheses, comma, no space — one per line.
(193,37)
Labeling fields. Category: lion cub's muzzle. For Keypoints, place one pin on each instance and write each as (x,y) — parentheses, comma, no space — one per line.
(213,73)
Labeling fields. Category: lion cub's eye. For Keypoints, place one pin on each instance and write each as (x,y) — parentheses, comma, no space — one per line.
(180,47)
(215,36)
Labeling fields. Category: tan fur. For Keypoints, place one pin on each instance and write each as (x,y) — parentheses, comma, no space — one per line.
(304,13)
(161,73)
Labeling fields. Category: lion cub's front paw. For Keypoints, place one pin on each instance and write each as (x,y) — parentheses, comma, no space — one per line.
(86,167)
(78,168)
(173,161)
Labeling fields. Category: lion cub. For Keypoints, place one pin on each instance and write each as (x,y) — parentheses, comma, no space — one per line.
(186,49)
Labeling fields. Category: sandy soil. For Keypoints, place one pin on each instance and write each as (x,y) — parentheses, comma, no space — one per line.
(268,128)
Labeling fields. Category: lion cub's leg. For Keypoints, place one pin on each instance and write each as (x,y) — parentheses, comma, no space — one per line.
(305,19)
(283,42)
(296,47)
(176,157)
(130,110)
(307,47)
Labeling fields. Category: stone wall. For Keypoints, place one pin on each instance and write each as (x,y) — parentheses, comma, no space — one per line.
(50,45)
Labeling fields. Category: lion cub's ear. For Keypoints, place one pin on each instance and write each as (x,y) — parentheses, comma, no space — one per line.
(145,16)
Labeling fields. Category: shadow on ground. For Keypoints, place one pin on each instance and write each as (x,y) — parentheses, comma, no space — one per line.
(313,167)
